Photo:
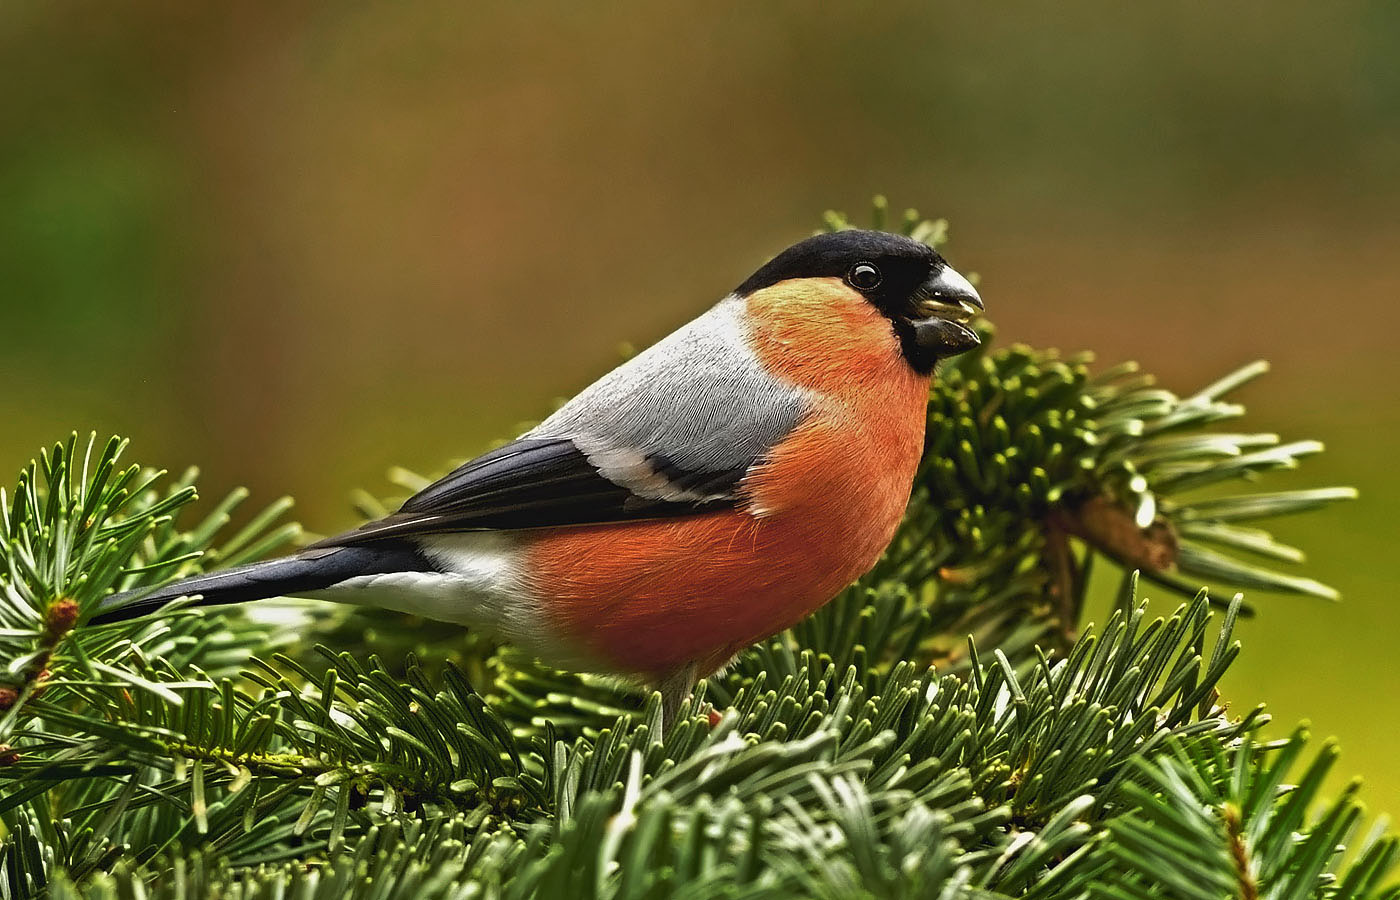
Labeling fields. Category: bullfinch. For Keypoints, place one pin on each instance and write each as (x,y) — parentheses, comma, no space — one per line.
(703,496)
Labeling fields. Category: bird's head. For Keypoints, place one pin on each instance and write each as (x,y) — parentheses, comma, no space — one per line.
(925,299)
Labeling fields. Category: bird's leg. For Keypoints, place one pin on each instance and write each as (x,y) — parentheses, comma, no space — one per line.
(674,689)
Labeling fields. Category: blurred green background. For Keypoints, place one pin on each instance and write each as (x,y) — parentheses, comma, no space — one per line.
(300,243)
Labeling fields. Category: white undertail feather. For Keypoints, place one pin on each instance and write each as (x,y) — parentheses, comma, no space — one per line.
(480,586)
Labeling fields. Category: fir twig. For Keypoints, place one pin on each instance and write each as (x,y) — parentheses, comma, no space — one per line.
(1041,758)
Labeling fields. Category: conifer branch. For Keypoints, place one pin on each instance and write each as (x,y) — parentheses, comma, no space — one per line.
(186,756)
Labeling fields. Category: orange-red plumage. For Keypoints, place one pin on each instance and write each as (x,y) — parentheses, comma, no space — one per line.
(653,597)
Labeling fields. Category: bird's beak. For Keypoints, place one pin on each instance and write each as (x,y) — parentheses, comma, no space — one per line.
(943,304)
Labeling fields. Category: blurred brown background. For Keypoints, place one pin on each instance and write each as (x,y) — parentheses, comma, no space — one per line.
(300,243)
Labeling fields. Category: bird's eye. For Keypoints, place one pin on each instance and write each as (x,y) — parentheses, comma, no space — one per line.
(863,276)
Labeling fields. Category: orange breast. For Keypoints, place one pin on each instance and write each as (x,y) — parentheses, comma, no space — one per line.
(651,597)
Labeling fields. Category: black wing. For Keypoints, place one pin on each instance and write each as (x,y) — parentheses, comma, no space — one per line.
(535,483)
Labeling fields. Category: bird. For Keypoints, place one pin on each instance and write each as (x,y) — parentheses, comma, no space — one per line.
(708,493)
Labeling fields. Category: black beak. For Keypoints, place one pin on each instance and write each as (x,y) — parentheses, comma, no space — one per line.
(948,288)
(943,304)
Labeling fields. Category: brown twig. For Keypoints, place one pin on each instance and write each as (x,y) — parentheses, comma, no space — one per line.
(1239,853)
(59,619)
(1108,527)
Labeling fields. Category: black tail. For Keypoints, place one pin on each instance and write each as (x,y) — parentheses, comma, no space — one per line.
(311,570)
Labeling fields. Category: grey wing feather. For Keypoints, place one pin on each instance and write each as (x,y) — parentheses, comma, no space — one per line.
(686,418)
(670,432)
